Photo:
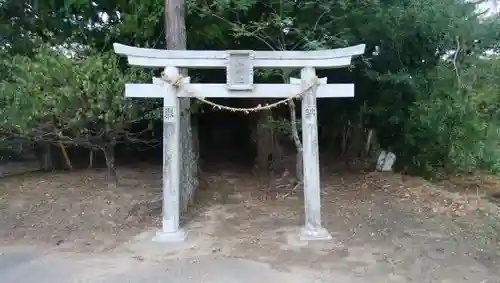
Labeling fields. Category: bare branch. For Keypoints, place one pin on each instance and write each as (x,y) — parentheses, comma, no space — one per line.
(455,64)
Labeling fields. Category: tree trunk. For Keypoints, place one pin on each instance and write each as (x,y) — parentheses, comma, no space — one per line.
(299,161)
(299,166)
(44,154)
(264,140)
(175,27)
(91,158)
(109,155)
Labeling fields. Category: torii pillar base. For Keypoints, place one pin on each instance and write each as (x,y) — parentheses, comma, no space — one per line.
(178,236)
(314,234)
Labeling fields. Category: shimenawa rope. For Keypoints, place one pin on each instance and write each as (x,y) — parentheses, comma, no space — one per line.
(178,81)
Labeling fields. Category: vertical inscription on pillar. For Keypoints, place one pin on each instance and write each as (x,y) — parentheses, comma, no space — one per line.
(168,114)
(239,72)
(310,112)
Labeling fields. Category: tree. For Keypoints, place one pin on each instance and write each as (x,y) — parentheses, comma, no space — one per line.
(398,84)
(76,100)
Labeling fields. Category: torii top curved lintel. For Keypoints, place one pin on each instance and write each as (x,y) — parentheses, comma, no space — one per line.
(325,59)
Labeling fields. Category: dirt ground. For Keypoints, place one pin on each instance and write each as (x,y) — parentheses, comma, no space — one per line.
(386,227)
(78,210)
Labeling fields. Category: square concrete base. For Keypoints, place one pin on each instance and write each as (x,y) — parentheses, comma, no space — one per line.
(178,236)
(318,234)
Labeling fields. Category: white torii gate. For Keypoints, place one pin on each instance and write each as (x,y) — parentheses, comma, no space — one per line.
(239,66)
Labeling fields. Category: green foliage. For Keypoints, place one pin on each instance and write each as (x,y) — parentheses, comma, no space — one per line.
(434,116)
(282,126)
(452,123)
(77,99)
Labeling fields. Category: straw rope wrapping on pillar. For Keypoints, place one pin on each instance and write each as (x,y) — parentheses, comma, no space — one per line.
(172,76)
